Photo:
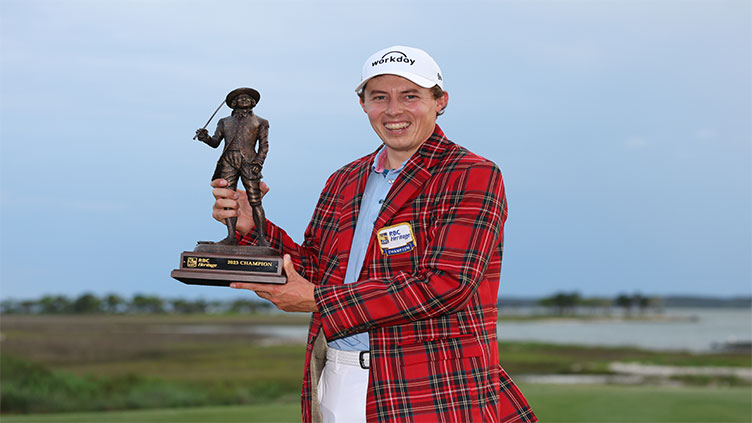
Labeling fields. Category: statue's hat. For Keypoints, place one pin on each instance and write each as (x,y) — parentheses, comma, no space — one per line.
(238,91)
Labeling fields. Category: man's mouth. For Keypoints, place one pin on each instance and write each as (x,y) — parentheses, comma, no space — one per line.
(394,126)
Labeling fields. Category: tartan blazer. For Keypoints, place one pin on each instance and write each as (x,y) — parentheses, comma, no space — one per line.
(431,311)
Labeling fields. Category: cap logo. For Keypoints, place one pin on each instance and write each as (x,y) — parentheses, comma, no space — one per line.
(394,57)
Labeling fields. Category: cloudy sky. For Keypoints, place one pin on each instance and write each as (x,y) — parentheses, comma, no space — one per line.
(622,129)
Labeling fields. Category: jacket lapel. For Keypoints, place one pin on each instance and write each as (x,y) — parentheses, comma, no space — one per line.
(415,173)
(406,187)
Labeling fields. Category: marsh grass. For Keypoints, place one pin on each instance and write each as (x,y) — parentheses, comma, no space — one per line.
(539,358)
(76,363)
(35,388)
(552,404)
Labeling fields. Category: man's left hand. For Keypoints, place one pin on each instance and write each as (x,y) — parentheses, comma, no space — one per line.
(295,295)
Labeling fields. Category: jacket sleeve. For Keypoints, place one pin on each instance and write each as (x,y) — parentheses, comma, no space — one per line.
(465,235)
(306,256)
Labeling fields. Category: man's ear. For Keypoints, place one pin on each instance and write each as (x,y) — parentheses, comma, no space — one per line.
(442,102)
(362,103)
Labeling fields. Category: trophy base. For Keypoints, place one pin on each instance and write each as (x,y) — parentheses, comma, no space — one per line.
(220,265)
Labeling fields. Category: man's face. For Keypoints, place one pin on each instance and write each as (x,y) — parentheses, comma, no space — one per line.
(244,101)
(402,113)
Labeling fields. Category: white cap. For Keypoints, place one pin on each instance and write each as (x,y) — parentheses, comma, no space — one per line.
(408,62)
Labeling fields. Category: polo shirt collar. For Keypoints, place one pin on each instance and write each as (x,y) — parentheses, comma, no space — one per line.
(379,162)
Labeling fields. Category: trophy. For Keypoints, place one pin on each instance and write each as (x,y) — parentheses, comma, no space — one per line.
(246,144)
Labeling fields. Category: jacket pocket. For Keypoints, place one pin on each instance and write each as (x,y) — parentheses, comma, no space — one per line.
(443,380)
(463,346)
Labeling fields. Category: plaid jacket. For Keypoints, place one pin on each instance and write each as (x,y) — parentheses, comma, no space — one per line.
(431,311)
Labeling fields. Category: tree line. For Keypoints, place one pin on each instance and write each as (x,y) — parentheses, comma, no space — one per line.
(89,303)
(560,303)
(563,303)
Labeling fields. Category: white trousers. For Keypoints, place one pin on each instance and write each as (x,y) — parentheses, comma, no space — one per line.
(342,388)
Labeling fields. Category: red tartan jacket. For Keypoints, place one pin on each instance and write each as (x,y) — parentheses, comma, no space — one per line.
(431,311)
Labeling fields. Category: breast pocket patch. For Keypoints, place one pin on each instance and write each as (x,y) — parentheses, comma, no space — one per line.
(396,239)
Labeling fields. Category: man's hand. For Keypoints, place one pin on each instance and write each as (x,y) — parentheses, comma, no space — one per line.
(229,203)
(295,295)
(202,134)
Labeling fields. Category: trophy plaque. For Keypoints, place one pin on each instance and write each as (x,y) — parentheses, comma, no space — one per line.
(246,144)
(220,265)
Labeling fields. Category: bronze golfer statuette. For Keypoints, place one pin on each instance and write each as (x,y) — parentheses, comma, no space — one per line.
(246,144)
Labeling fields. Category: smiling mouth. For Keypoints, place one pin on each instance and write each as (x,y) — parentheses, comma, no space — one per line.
(396,125)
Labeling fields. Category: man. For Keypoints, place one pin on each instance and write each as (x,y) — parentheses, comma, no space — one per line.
(400,266)
(241,131)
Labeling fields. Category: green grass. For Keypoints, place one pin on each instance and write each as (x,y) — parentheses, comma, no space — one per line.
(34,388)
(552,404)
(286,412)
(580,404)
(78,363)
(539,358)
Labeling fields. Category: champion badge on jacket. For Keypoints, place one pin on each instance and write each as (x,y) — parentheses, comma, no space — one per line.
(396,239)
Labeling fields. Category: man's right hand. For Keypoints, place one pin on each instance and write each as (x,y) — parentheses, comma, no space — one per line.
(229,203)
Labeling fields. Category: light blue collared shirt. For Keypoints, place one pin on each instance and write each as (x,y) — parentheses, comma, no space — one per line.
(379,183)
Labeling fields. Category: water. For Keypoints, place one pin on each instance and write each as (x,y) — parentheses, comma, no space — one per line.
(696,330)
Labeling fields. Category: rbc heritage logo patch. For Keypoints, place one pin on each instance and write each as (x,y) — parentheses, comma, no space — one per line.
(396,239)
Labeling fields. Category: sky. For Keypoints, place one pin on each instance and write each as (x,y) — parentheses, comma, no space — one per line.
(622,129)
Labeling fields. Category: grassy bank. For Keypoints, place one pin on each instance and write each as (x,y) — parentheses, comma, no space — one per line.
(76,363)
(577,404)
(539,358)
(34,388)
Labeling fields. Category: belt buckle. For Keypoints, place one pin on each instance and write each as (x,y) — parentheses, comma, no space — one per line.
(362,359)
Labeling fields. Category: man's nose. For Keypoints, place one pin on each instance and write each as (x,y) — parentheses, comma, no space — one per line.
(393,106)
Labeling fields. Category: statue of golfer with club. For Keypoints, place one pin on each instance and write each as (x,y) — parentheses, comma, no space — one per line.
(240,159)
